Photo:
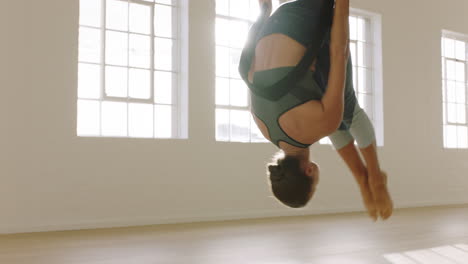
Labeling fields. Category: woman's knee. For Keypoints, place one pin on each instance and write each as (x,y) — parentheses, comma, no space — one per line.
(340,139)
(362,129)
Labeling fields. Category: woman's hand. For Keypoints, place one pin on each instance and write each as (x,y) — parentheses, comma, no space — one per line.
(339,44)
(265,7)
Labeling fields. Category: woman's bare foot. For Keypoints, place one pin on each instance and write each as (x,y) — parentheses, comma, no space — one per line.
(367,198)
(383,201)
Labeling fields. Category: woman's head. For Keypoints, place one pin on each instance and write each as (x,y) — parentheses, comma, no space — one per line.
(293,180)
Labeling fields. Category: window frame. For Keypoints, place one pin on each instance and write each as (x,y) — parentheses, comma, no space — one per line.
(446,34)
(228,107)
(179,89)
(374,31)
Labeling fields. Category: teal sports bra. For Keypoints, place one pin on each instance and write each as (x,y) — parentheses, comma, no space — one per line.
(269,111)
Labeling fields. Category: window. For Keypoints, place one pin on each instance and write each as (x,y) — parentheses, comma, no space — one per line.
(366,55)
(454,89)
(128,69)
(233,119)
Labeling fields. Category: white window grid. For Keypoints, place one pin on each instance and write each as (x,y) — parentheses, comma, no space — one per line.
(365,49)
(153,112)
(454,89)
(234,122)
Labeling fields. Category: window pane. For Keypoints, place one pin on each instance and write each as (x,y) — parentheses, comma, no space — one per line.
(140,51)
(140,18)
(237,31)
(240,125)
(117,15)
(139,84)
(116,48)
(163,54)
(255,135)
(462,134)
(460,50)
(222,62)
(450,133)
(163,121)
(452,113)
(230,37)
(222,7)
(141,120)
(238,93)
(451,92)
(222,91)
(116,81)
(89,45)
(451,70)
(353,28)
(355,78)
(461,113)
(255,9)
(364,80)
(239,8)
(449,48)
(222,124)
(88,118)
(114,119)
(127,61)
(89,81)
(461,93)
(444,72)
(363,51)
(222,34)
(163,87)
(361,29)
(234,58)
(460,71)
(444,115)
(353,51)
(90,13)
(163,21)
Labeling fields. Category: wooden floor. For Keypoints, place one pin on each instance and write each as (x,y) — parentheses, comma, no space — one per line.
(423,235)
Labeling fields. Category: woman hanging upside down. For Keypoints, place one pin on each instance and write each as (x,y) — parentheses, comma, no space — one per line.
(298,68)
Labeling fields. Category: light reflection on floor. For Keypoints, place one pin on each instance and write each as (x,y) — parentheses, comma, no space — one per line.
(455,254)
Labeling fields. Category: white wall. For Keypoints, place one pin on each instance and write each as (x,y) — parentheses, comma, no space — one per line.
(52,180)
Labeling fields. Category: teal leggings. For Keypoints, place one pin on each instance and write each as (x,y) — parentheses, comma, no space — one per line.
(359,128)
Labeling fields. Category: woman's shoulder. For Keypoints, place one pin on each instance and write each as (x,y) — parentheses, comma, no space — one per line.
(305,123)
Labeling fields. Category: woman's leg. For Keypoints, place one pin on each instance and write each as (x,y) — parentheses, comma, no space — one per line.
(362,130)
(377,181)
(344,144)
(352,159)
(358,127)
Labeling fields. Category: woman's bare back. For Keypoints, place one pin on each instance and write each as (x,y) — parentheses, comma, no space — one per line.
(301,123)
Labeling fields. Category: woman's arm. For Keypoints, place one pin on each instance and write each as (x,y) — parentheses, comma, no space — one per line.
(332,101)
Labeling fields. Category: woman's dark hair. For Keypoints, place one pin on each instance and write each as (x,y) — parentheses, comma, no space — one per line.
(289,182)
